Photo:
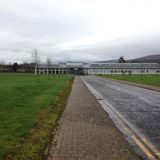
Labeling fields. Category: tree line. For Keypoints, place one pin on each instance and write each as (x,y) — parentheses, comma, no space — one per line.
(15,67)
(26,67)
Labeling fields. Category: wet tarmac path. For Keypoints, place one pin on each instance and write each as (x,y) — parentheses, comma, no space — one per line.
(139,106)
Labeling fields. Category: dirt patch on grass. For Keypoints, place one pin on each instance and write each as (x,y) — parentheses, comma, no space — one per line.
(33,146)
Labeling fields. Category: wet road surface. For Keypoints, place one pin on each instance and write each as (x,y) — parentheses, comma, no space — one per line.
(86,132)
(139,106)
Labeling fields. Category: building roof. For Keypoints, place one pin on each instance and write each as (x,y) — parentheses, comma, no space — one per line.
(125,65)
(46,66)
(101,65)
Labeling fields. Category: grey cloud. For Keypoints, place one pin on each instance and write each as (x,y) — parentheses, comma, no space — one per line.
(130,47)
(47,25)
(103,51)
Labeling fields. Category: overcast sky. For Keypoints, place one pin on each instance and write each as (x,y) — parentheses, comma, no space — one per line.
(79,30)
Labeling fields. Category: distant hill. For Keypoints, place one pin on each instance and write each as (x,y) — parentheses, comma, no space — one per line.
(146,59)
(109,61)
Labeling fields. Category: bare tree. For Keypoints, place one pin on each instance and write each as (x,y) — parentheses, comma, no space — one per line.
(15,67)
(36,61)
(49,65)
(2,65)
(2,62)
(121,60)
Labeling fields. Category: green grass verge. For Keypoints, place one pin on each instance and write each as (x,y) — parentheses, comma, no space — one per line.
(153,80)
(28,113)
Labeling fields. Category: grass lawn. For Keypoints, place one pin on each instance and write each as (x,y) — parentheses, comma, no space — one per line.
(27,108)
(153,80)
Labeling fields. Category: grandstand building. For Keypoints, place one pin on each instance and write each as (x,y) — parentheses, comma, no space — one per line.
(82,68)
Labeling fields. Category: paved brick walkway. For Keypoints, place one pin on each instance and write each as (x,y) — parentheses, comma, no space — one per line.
(86,132)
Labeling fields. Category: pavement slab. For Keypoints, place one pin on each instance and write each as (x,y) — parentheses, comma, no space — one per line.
(86,132)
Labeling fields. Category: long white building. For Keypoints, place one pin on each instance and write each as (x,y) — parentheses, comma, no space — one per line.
(98,68)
